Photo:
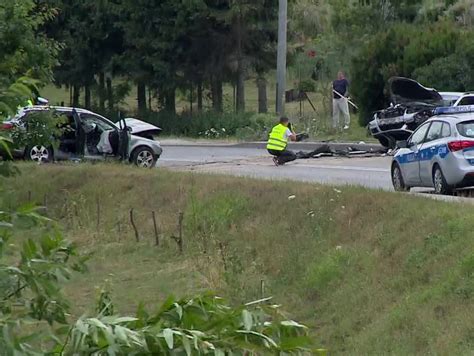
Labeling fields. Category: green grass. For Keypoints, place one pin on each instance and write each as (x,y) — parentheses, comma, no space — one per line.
(373,273)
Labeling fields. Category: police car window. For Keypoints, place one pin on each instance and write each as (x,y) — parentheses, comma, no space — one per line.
(419,135)
(435,131)
(466,129)
(468,100)
(446,132)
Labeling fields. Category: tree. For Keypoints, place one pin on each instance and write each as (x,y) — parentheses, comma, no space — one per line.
(400,51)
(24,49)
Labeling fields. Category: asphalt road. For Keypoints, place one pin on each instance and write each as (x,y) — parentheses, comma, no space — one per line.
(372,172)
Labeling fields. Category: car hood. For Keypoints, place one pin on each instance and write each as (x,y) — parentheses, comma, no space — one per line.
(142,127)
(405,91)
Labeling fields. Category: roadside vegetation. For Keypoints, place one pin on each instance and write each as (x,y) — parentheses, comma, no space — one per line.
(370,273)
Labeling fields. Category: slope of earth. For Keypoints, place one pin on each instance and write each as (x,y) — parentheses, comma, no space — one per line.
(371,272)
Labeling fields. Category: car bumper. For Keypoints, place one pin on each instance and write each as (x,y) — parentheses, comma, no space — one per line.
(396,131)
(458,171)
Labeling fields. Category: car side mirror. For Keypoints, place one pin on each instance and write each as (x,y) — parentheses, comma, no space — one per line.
(403,144)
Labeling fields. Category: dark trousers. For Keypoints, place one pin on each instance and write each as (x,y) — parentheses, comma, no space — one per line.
(283,156)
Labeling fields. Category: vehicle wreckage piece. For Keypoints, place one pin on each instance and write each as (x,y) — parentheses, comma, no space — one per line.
(411,105)
(327,151)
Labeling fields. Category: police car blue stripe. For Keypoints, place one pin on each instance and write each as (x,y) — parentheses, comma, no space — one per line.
(425,154)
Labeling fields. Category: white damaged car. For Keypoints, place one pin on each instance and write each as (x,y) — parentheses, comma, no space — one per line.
(90,136)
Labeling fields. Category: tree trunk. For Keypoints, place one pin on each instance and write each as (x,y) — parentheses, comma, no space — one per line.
(110,95)
(70,96)
(149,98)
(87,96)
(240,91)
(76,94)
(216,89)
(102,91)
(199,95)
(191,99)
(141,97)
(240,100)
(262,95)
(170,101)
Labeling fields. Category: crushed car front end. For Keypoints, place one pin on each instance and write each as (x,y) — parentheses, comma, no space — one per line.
(398,122)
(411,105)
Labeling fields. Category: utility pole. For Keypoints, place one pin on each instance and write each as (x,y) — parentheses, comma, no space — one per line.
(281,57)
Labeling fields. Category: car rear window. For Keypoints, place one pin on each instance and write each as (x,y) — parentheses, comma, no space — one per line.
(468,100)
(466,128)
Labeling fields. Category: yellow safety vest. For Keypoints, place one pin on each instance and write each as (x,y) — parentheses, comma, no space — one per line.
(277,140)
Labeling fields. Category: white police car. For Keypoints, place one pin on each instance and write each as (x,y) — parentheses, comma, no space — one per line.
(439,154)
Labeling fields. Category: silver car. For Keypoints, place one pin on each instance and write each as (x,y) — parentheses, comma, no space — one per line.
(439,154)
(91,136)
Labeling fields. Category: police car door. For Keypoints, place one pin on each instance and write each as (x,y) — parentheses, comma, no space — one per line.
(432,147)
(412,160)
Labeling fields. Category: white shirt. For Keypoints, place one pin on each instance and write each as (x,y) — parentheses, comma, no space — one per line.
(287,134)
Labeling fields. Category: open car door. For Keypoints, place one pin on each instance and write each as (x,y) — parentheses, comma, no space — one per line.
(124,140)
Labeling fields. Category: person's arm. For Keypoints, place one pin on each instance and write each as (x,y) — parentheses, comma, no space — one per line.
(291,135)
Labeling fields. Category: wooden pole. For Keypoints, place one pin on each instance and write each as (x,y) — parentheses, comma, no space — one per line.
(132,221)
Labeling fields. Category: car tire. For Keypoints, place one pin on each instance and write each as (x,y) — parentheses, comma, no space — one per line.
(397,179)
(39,154)
(144,157)
(383,141)
(439,182)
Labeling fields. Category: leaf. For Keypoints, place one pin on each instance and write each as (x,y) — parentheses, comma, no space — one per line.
(219,352)
(96,322)
(247,319)
(259,301)
(187,345)
(179,310)
(293,324)
(264,337)
(168,335)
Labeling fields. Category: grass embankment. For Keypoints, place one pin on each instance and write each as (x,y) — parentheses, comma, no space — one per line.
(372,272)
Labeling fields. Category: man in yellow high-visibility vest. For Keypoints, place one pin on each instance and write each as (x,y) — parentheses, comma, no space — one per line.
(278,142)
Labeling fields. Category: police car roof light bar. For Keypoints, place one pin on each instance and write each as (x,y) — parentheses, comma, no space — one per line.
(448,110)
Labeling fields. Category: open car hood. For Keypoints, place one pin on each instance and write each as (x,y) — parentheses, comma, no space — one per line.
(405,91)
(142,127)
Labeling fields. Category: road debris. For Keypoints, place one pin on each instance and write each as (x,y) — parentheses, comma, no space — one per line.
(326,151)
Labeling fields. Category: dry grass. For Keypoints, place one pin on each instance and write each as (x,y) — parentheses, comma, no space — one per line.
(373,272)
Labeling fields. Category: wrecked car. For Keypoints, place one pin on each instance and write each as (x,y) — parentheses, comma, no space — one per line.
(90,136)
(411,105)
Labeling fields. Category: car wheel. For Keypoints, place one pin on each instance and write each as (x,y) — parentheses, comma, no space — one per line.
(39,154)
(439,182)
(383,141)
(144,157)
(397,179)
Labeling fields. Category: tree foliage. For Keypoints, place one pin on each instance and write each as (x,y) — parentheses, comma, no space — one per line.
(404,50)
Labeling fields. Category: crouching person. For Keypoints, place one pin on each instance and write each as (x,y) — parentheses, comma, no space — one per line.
(278,142)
